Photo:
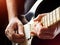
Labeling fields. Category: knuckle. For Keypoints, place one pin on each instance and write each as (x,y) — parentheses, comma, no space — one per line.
(11,37)
(6,32)
(46,36)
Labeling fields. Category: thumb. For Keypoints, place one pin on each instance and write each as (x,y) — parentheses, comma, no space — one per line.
(39,17)
(20,29)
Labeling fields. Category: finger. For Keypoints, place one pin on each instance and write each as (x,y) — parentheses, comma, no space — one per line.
(16,36)
(46,36)
(47,30)
(33,32)
(37,28)
(18,40)
(40,29)
(9,32)
(38,18)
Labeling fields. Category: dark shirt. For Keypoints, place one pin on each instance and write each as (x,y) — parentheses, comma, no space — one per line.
(47,6)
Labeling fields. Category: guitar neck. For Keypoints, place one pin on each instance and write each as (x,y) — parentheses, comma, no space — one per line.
(47,20)
(51,18)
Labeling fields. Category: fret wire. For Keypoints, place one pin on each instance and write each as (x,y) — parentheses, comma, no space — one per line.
(57,14)
(51,18)
(48,23)
(45,21)
(48,19)
(54,19)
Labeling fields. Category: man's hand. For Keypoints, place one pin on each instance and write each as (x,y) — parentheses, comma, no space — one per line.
(14,30)
(44,32)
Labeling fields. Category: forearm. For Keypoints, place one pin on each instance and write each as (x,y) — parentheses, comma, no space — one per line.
(11,8)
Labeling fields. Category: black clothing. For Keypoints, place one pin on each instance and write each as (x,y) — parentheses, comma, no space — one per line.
(47,6)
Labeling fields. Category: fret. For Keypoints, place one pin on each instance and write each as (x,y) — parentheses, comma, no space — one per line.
(51,18)
(57,14)
(43,21)
(48,19)
(54,16)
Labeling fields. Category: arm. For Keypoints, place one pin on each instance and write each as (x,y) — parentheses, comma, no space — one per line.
(12,9)
(14,23)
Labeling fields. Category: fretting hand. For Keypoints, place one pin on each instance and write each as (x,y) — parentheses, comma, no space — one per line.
(44,32)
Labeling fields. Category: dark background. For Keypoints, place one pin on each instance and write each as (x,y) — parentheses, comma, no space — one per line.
(4,23)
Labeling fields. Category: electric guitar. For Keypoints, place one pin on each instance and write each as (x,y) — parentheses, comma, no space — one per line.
(30,14)
(48,20)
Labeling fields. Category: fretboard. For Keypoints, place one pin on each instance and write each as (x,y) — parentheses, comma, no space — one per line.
(51,17)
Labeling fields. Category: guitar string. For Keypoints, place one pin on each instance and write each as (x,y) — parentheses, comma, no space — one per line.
(46,21)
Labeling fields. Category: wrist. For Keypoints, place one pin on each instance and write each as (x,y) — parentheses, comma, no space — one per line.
(12,18)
